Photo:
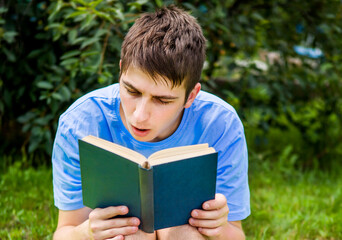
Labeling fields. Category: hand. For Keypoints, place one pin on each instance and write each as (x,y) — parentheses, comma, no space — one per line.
(103,225)
(213,219)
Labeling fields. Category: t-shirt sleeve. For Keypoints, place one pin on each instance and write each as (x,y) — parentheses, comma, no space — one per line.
(67,186)
(232,169)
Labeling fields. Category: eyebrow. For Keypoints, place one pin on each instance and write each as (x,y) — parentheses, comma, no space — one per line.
(168,97)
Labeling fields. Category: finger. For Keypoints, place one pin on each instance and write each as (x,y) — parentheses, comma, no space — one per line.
(214,214)
(109,212)
(219,202)
(207,223)
(117,223)
(119,237)
(210,232)
(115,232)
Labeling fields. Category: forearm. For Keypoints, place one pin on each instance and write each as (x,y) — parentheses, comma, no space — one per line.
(72,232)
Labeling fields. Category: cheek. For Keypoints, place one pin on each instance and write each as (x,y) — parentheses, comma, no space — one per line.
(166,116)
(127,103)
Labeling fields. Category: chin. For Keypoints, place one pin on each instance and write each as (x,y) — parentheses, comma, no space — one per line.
(143,139)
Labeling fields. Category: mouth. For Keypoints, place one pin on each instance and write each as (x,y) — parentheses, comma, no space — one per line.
(140,132)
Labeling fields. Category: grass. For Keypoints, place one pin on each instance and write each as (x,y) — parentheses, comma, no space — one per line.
(26,203)
(286,203)
(291,204)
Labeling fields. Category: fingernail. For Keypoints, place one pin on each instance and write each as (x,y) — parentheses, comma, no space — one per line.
(194,213)
(135,221)
(123,209)
(206,206)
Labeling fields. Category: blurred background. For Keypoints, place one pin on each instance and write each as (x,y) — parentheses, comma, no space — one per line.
(277,62)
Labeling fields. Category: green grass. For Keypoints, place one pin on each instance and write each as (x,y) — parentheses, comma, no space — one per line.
(286,204)
(290,204)
(26,203)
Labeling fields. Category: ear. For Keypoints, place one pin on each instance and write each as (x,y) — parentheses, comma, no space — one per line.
(120,64)
(193,95)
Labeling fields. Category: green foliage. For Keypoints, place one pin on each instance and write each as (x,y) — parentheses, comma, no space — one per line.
(55,51)
(76,48)
(252,64)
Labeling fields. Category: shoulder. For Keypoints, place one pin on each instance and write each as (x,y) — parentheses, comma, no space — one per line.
(214,120)
(93,102)
(106,94)
(213,109)
(90,111)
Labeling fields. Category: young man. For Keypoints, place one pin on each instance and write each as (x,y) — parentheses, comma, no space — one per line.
(156,105)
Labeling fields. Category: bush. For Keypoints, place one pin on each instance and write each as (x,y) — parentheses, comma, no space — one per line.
(54,52)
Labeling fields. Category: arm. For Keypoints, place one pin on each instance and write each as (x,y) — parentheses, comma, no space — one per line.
(86,223)
(212,221)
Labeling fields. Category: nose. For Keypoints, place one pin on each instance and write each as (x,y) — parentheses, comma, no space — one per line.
(142,111)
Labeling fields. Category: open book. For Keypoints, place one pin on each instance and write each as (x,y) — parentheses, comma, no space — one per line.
(161,190)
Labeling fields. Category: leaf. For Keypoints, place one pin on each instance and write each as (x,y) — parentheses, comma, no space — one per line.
(105,16)
(101,32)
(58,5)
(70,54)
(138,4)
(81,2)
(33,145)
(95,3)
(65,92)
(159,3)
(45,85)
(119,14)
(257,16)
(72,35)
(27,117)
(89,53)
(42,97)
(56,36)
(9,36)
(89,42)
(3,10)
(69,61)
(78,40)
(35,53)
(54,25)
(88,22)
(57,96)
(10,55)
(76,14)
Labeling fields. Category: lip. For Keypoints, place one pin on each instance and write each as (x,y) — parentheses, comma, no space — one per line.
(140,132)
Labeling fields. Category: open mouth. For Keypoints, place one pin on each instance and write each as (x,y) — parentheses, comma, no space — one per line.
(141,132)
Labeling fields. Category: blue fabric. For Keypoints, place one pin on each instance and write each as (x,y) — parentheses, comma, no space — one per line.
(208,120)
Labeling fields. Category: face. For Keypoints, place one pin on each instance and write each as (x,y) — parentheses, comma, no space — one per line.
(151,111)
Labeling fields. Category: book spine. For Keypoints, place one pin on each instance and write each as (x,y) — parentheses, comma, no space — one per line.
(147,200)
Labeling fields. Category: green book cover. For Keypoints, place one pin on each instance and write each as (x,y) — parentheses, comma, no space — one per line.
(161,190)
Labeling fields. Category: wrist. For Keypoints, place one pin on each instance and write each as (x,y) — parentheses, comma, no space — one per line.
(79,232)
(84,231)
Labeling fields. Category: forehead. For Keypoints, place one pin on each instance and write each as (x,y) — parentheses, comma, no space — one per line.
(143,81)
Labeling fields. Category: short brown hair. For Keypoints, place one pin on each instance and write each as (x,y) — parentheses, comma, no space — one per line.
(169,44)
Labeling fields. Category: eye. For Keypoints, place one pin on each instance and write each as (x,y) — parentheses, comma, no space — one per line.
(132,92)
(163,101)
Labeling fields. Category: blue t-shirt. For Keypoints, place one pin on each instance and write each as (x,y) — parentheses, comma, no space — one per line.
(208,120)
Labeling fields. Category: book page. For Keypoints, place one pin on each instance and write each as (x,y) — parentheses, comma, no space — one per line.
(116,148)
(177,150)
(176,156)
